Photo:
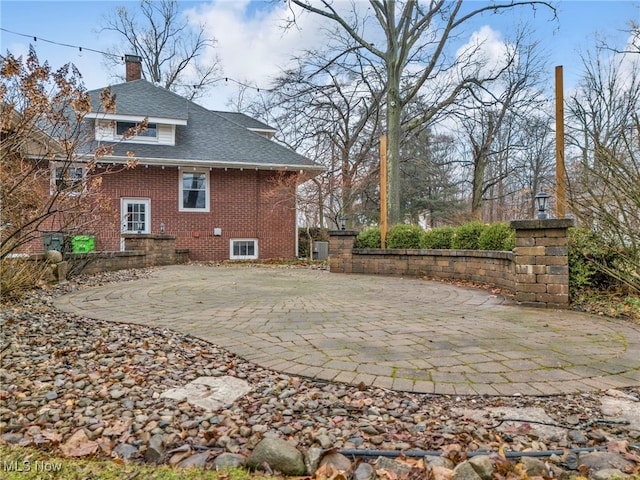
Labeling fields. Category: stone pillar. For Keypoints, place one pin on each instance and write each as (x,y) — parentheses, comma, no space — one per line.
(340,250)
(542,262)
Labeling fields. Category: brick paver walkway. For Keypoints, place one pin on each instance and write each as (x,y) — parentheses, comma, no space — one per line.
(398,333)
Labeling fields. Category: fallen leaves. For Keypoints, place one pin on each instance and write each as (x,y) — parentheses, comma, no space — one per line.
(79,445)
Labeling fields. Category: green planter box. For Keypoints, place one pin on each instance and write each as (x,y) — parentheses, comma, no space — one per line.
(83,243)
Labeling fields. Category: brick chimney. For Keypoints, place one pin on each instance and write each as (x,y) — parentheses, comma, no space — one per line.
(133,64)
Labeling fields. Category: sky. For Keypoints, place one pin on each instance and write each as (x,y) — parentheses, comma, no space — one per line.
(253,47)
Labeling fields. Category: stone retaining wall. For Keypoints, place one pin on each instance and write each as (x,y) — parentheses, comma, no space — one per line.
(537,271)
(492,268)
(141,251)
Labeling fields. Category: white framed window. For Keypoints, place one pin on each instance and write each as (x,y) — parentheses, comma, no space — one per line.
(67,177)
(136,215)
(243,249)
(194,191)
(150,134)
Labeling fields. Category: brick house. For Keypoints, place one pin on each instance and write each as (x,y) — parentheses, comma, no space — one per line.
(211,179)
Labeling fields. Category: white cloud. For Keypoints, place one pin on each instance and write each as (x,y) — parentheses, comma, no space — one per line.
(487,48)
(252,43)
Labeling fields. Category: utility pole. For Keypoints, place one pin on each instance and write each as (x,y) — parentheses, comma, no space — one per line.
(561,173)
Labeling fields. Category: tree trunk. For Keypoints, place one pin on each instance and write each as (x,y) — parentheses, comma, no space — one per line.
(394,109)
(347,189)
(478,181)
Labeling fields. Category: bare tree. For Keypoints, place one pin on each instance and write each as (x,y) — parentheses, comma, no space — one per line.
(537,164)
(50,175)
(633,45)
(328,108)
(50,180)
(490,119)
(411,54)
(173,52)
(605,170)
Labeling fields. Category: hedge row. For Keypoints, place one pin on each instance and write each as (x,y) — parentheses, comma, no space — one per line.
(470,236)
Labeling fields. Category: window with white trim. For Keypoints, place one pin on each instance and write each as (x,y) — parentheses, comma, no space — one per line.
(194,191)
(136,215)
(150,133)
(243,249)
(67,177)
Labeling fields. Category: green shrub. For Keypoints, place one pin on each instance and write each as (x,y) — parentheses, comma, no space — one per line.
(589,257)
(466,236)
(404,236)
(439,238)
(497,236)
(369,238)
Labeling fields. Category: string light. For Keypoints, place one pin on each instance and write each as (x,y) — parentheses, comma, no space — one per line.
(82,49)
(76,47)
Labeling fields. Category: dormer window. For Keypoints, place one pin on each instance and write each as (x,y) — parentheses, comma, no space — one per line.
(151,132)
(160,130)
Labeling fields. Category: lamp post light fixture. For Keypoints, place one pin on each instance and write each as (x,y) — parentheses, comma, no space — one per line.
(542,203)
(343,222)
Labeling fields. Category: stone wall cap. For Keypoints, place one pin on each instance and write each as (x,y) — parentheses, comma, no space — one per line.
(343,233)
(154,236)
(537,224)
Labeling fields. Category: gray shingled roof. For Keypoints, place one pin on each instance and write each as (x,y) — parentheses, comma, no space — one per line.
(207,138)
(244,120)
(143,98)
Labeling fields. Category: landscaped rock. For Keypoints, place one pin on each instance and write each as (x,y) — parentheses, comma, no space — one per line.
(483,466)
(53,256)
(390,465)
(210,393)
(126,452)
(312,459)
(280,455)
(364,471)
(604,460)
(336,462)
(541,424)
(465,471)
(438,461)
(534,467)
(608,474)
(155,450)
(195,461)
(576,436)
(324,441)
(229,460)
(619,406)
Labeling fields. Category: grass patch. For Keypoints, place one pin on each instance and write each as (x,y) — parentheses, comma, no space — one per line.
(18,463)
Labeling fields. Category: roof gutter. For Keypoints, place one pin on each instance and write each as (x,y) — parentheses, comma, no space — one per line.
(163,162)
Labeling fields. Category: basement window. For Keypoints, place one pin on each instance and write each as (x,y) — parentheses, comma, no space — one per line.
(244,249)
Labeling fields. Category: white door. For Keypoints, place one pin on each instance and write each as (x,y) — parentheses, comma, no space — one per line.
(136,217)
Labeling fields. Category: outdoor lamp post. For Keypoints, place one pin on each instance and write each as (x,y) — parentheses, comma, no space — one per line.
(343,222)
(542,203)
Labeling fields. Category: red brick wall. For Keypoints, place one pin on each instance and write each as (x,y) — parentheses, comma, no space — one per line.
(243,204)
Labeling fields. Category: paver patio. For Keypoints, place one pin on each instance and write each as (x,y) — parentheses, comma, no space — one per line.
(398,333)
